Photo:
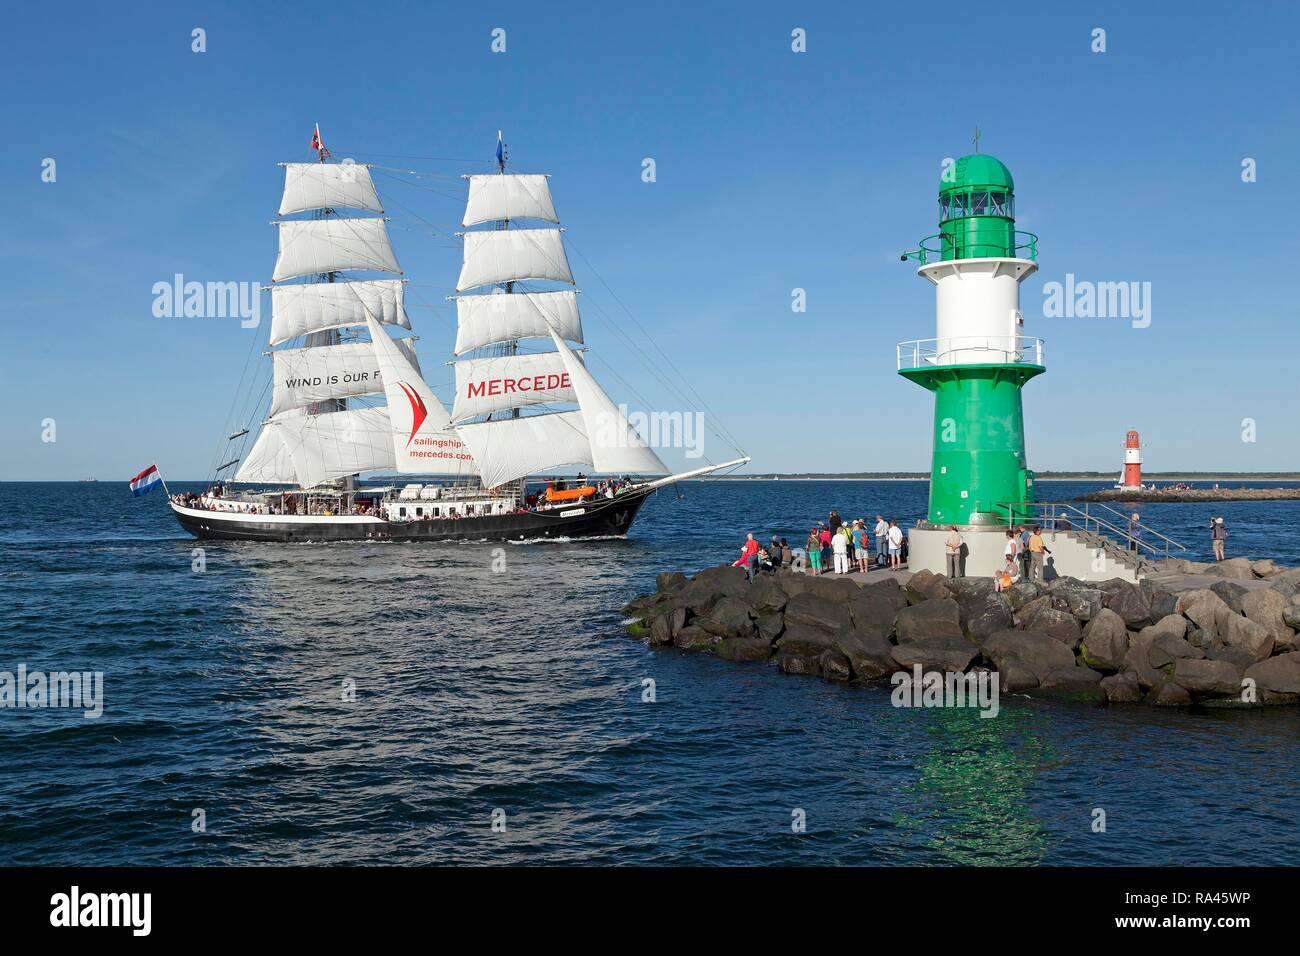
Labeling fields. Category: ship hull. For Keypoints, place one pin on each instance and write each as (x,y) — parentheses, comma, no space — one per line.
(608,518)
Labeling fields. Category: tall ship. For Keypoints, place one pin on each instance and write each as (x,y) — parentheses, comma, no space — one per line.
(347,395)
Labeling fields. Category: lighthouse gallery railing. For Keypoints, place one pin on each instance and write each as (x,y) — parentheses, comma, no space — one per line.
(999,349)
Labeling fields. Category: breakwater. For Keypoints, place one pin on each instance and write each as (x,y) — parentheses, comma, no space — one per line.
(1193,494)
(1223,645)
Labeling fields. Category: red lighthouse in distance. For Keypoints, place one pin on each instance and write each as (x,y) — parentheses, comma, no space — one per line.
(1132,461)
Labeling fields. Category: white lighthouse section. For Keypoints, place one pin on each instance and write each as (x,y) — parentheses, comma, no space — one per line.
(977,312)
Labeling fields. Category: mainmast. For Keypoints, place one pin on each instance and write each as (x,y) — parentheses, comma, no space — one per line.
(493,375)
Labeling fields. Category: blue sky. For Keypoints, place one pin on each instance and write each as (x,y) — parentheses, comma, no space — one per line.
(775,170)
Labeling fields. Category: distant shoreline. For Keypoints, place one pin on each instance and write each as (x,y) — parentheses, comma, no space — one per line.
(1108,478)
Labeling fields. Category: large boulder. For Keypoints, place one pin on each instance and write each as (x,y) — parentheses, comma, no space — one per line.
(693,638)
(1122,688)
(936,653)
(1279,674)
(833,588)
(816,611)
(1137,661)
(792,661)
(1238,658)
(925,585)
(1105,641)
(1164,648)
(1267,607)
(1207,678)
(669,581)
(889,590)
(1174,625)
(1234,569)
(1231,592)
(1021,593)
(1038,653)
(1059,624)
(770,625)
(729,617)
(1263,567)
(1128,601)
(835,666)
(1200,606)
(983,612)
(766,594)
(744,649)
(804,639)
(869,655)
(1163,603)
(1237,631)
(872,613)
(1168,694)
(937,618)
(1083,599)
(661,630)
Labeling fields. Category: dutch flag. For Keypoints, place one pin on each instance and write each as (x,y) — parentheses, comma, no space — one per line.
(146,481)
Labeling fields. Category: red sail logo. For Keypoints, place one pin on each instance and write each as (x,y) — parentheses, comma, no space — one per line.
(418,411)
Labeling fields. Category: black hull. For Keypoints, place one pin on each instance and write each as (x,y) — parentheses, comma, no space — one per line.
(599,519)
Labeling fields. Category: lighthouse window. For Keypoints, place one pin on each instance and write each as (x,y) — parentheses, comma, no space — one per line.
(979,204)
(999,204)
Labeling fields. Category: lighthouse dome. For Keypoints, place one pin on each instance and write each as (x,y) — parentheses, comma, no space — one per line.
(978,170)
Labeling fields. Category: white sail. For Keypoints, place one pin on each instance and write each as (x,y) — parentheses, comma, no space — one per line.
(511,255)
(301,309)
(616,448)
(345,185)
(268,460)
(335,444)
(508,196)
(515,447)
(500,317)
(509,381)
(312,246)
(420,429)
(308,375)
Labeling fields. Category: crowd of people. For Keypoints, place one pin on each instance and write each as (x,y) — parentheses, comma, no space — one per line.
(834,546)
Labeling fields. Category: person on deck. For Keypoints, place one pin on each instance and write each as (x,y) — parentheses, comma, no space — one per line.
(1038,551)
(1218,535)
(895,536)
(749,553)
(1134,531)
(839,544)
(860,552)
(952,551)
(882,539)
(814,548)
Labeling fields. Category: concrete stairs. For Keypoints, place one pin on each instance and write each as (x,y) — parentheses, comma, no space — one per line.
(1090,556)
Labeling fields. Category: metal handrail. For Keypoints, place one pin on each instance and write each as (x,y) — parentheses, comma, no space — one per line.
(923,252)
(1011,348)
(1049,511)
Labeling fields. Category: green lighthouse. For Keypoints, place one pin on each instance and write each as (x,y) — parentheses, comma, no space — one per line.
(979,359)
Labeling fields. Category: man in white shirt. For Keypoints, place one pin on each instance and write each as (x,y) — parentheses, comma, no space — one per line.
(882,538)
(895,536)
(840,548)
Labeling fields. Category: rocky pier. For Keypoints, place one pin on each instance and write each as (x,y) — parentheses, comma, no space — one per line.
(1217,636)
(1193,494)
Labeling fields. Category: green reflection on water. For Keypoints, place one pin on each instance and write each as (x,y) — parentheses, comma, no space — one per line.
(972,793)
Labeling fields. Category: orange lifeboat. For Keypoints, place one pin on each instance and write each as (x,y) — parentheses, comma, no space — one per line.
(571,494)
